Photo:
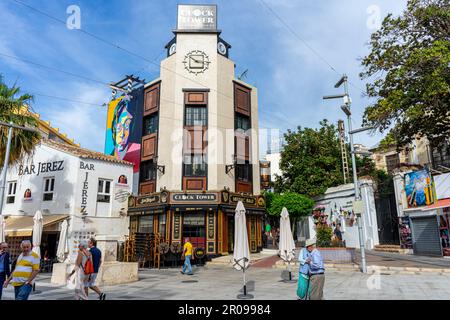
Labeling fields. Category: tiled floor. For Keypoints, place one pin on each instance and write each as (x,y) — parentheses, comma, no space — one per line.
(224,282)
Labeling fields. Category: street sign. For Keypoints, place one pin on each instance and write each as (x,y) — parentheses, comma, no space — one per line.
(358,207)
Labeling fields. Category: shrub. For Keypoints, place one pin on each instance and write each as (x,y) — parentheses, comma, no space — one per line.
(324,235)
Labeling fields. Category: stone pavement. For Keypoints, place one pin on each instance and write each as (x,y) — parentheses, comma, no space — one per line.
(224,282)
(403,260)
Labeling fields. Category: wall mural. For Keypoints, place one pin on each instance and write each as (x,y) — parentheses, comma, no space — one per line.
(419,188)
(124,128)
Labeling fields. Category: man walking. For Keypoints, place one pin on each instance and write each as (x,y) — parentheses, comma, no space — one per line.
(317,272)
(96,261)
(187,253)
(4,265)
(26,269)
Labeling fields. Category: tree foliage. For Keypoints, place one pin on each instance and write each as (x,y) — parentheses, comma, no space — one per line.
(408,66)
(310,161)
(296,204)
(22,142)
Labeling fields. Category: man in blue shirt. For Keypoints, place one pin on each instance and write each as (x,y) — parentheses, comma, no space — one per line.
(317,272)
(96,261)
(4,265)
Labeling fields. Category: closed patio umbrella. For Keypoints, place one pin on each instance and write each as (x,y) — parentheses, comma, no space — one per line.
(37,232)
(241,253)
(63,247)
(286,244)
(2,229)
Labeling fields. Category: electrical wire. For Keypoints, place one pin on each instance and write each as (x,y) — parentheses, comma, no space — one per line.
(307,45)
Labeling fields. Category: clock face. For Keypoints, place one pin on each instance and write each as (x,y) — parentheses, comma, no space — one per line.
(173,49)
(222,48)
(196,62)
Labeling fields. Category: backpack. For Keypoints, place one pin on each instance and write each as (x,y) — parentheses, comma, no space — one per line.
(88,266)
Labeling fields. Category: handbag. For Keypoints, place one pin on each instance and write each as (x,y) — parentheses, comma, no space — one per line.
(88,266)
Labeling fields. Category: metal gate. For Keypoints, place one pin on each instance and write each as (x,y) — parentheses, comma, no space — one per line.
(425,236)
(387,220)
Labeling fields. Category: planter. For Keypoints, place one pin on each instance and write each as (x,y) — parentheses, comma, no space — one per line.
(338,254)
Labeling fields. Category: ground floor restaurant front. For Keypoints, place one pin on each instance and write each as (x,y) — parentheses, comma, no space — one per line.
(429,229)
(161,222)
(20,227)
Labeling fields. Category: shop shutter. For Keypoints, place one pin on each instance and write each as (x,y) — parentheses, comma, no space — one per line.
(426,239)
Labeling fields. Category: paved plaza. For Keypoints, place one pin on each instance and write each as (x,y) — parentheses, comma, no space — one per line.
(223,282)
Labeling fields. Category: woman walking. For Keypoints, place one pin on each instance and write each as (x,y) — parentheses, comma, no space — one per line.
(80,266)
(304,258)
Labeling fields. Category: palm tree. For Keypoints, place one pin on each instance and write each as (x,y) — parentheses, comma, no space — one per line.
(12,106)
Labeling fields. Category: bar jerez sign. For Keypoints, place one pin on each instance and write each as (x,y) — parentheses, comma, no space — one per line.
(41,167)
(192,17)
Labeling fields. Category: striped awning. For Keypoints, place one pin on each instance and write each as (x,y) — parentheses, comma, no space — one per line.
(22,226)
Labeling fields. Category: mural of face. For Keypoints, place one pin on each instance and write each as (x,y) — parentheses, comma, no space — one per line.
(121,128)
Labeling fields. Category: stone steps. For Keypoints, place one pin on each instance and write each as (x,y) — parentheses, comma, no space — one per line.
(390,248)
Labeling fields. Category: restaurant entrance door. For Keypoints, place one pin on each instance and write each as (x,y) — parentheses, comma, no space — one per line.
(194,227)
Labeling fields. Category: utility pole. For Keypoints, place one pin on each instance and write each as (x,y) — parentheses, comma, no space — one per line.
(6,160)
(347,110)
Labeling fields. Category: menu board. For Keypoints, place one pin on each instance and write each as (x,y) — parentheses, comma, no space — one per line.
(74,241)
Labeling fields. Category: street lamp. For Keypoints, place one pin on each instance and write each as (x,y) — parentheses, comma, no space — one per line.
(6,160)
(346,108)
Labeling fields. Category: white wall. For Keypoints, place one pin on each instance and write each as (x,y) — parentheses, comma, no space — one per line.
(102,219)
(274,159)
(343,197)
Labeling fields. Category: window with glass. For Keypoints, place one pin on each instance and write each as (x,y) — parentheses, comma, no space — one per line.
(162,225)
(195,165)
(392,162)
(49,187)
(195,116)
(104,191)
(242,122)
(146,224)
(148,171)
(11,191)
(244,172)
(194,227)
(441,156)
(151,124)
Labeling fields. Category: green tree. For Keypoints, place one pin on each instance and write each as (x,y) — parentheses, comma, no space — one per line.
(310,161)
(408,66)
(296,204)
(23,142)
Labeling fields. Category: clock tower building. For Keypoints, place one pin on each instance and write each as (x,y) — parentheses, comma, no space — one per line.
(199,145)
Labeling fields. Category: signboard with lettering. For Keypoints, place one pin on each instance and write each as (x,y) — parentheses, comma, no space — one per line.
(176,226)
(146,200)
(41,167)
(234,198)
(197,17)
(194,197)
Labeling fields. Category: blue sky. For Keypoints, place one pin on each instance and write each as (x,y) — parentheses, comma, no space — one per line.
(291,78)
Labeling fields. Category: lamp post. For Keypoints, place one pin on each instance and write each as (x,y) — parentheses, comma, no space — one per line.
(6,160)
(346,108)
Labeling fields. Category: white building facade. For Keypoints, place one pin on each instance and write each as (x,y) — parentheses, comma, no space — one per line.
(88,189)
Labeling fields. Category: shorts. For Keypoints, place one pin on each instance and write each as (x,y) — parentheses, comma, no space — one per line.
(91,280)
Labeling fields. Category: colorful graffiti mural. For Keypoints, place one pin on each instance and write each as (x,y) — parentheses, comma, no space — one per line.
(419,188)
(124,128)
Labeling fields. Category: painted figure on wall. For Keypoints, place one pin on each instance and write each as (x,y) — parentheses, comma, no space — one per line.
(27,194)
(124,130)
(123,179)
(419,188)
(121,127)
